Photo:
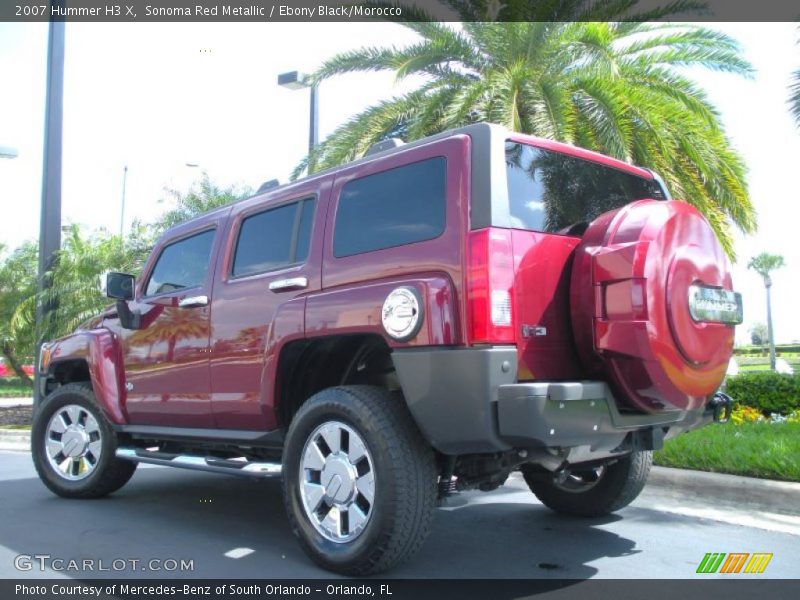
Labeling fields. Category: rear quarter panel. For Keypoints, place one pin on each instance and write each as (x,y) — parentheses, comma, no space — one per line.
(354,287)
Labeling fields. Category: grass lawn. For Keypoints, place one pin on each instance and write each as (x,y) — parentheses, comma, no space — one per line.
(768,451)
(12,387)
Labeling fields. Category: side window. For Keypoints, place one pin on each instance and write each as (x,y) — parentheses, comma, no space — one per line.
(274,238)
(183,264)
(392,208)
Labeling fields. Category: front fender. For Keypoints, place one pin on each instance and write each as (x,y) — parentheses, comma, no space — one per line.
(101,351)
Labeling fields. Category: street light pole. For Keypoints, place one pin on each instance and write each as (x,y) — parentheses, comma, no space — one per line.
(313,125)
(50,221)
(122,207)
(295,80)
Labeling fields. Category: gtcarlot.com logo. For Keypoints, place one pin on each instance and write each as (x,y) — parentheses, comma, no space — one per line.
(734,562)
(43,562)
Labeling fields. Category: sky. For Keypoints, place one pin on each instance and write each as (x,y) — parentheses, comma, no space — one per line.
(157,96)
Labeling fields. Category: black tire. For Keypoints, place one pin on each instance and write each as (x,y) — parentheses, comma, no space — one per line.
(618,485)
(405,479)
(109,472)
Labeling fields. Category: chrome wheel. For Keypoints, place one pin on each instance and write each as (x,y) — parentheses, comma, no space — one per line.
(73,445)
(337,482)
(578,482)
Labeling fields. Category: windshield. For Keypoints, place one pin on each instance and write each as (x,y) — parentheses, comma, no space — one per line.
(558,193)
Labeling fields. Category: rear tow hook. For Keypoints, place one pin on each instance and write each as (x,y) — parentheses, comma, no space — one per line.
(721,405)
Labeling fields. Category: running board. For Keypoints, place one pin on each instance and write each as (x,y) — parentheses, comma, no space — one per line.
(242,468)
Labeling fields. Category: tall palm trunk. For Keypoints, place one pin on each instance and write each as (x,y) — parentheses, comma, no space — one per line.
(768,285)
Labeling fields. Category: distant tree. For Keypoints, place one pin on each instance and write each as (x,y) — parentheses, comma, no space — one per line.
(764,264)
(17,284)
(758,334)
(203,196)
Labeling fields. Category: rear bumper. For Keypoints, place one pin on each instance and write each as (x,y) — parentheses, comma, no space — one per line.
(467,400)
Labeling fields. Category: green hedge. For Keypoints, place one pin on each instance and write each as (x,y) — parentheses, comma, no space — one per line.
(745,350)
(766,390)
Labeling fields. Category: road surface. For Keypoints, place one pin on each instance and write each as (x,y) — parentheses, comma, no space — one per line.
(230,527)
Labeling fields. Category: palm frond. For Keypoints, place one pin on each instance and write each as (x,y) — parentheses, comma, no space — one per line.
(615,87)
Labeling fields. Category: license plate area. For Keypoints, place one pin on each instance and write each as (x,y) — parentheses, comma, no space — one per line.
(715,305)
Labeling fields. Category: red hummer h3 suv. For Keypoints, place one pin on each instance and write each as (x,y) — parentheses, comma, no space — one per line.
(424,320)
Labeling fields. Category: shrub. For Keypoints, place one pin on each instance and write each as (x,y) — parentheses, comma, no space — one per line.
(766,391)
(762,350)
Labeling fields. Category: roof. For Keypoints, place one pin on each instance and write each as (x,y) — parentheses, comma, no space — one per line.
(477,130)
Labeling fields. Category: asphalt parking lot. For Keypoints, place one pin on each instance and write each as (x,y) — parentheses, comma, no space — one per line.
(236,528)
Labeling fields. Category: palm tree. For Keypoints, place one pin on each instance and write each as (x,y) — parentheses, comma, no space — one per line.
(204,195)
(74,293)
(764,264)
(615,87)
(794,96)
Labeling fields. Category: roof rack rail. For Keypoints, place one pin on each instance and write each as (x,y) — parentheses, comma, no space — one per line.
(268,185)
(387,144)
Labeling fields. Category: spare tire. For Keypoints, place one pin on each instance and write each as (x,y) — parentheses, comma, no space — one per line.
(653,308)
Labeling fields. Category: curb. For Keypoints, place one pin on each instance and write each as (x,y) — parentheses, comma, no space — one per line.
(733,490)
(15,439)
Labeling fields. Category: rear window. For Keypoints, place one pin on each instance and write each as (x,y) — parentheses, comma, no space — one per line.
(557,193)
(391,208)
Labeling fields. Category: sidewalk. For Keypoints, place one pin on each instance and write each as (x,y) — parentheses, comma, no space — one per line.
(15,440)
(24,401)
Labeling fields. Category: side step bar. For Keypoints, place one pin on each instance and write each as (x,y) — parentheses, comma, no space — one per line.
(242,468)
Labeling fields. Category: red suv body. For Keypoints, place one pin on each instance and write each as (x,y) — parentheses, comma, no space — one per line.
(512,302)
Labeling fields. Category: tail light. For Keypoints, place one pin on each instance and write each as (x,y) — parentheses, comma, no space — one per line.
(490,286)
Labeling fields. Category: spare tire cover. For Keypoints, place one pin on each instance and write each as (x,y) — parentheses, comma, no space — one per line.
(629,296)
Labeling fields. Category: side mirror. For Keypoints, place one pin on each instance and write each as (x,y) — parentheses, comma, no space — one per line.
(119,286)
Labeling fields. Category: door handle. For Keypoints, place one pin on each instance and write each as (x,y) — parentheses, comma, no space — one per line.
(293,283)
(193,301)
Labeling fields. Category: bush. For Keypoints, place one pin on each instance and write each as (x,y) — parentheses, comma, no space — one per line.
(766,391)
(762,350)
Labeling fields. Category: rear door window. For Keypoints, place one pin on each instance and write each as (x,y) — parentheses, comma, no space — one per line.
(182,264)
(392,208)
(274,239)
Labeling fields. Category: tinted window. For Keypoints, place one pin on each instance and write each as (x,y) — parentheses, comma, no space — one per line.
(392,208)
(183,264)
(274,238)
(549,191)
